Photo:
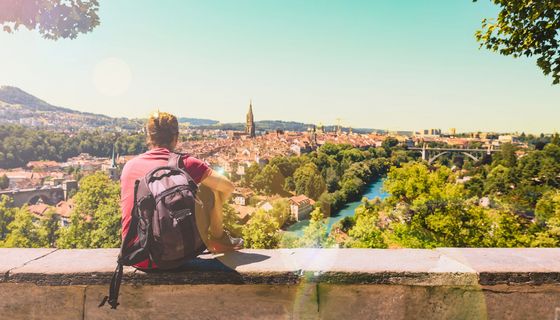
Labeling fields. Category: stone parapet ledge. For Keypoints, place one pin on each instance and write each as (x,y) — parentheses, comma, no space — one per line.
(444,266)
(291,283)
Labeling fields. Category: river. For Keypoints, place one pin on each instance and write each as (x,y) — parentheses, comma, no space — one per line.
(372,191)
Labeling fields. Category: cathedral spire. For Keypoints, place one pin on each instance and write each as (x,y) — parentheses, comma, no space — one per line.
(250,124)
(113,159)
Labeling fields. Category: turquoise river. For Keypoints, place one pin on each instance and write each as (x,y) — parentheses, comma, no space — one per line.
(371,191)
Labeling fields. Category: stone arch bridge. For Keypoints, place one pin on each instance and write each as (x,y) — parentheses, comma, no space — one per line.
(50,196)
(431,154)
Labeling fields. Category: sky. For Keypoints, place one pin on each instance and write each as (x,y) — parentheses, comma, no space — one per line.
(394,65)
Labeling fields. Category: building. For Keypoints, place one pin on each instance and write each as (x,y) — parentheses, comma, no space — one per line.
(241,196)
(300,207)
(250,125)
(112,170)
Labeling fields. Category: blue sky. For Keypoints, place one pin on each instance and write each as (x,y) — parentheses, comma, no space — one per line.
(397,65)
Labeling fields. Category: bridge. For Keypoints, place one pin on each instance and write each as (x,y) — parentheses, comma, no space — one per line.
(431,154)
(50,196)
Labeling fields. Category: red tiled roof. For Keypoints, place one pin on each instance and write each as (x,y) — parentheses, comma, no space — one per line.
(64,208)
(301,199)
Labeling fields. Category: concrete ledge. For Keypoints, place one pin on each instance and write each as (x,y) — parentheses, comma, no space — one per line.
(447,266)
(290,283)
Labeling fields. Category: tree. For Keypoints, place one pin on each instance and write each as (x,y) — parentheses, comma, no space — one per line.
(365,232)
(250,173)
(281,211)
(269,180)
(232,222)
(47,229)
(22,233)
(525,28)
(548,207)
(6,216)
(4,181)
(500,180)
(261,232)
(315,234)
(95,220)
(53,19)
(308,181)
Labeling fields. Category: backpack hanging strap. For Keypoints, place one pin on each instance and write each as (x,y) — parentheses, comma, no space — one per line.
(113,297)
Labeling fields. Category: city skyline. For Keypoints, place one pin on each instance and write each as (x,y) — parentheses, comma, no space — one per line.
(380,65)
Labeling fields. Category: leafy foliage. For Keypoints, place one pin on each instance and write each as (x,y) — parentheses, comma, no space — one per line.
(262,231)
(525,28)
(4,181)
(95,220)
(19,145)
(54,19)
(315,234)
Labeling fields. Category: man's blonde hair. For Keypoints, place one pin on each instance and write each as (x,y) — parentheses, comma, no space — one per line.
(162,129)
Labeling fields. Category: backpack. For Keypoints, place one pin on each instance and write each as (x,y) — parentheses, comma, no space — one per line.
(163,225)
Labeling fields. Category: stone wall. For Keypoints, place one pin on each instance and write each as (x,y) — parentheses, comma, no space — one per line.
(445,283)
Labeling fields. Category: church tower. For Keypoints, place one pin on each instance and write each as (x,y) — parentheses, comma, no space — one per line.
(250,126)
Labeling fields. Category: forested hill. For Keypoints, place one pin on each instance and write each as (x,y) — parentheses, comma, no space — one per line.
(20,107)
(13,95)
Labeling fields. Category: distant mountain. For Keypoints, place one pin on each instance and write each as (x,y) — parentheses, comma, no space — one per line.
(198,122)
(20,107)
(13,95)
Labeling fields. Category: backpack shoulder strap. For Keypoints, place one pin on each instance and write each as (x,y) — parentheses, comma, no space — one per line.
(174,159)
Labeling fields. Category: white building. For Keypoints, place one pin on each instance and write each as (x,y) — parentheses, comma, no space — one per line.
(300,207)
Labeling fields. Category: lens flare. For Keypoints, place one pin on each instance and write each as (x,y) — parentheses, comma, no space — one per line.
(112,77)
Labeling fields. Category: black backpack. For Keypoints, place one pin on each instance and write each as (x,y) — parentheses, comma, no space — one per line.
(163,226)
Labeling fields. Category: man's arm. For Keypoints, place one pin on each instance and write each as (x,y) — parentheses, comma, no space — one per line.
(221,185)
(222,189)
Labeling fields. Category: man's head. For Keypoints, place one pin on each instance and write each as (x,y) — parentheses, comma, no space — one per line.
(162,130)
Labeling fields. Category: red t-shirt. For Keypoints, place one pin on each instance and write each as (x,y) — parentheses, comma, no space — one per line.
(137,169)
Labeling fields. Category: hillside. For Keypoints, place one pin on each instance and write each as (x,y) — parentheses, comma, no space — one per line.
(20,107)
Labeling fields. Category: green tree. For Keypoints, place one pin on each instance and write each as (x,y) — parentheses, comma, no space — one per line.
(308,181)
(281,211)
(250,173)
(22,232)
(548,207)
(270,180)
(95,220)
(47,229)
(4,181)
(261,232)
(232,221)
(54,19)
(6,216)
(315,234)
(525,28)
(365,232)
(500,180)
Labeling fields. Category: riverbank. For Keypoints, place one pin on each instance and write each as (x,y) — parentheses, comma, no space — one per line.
(371,191)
